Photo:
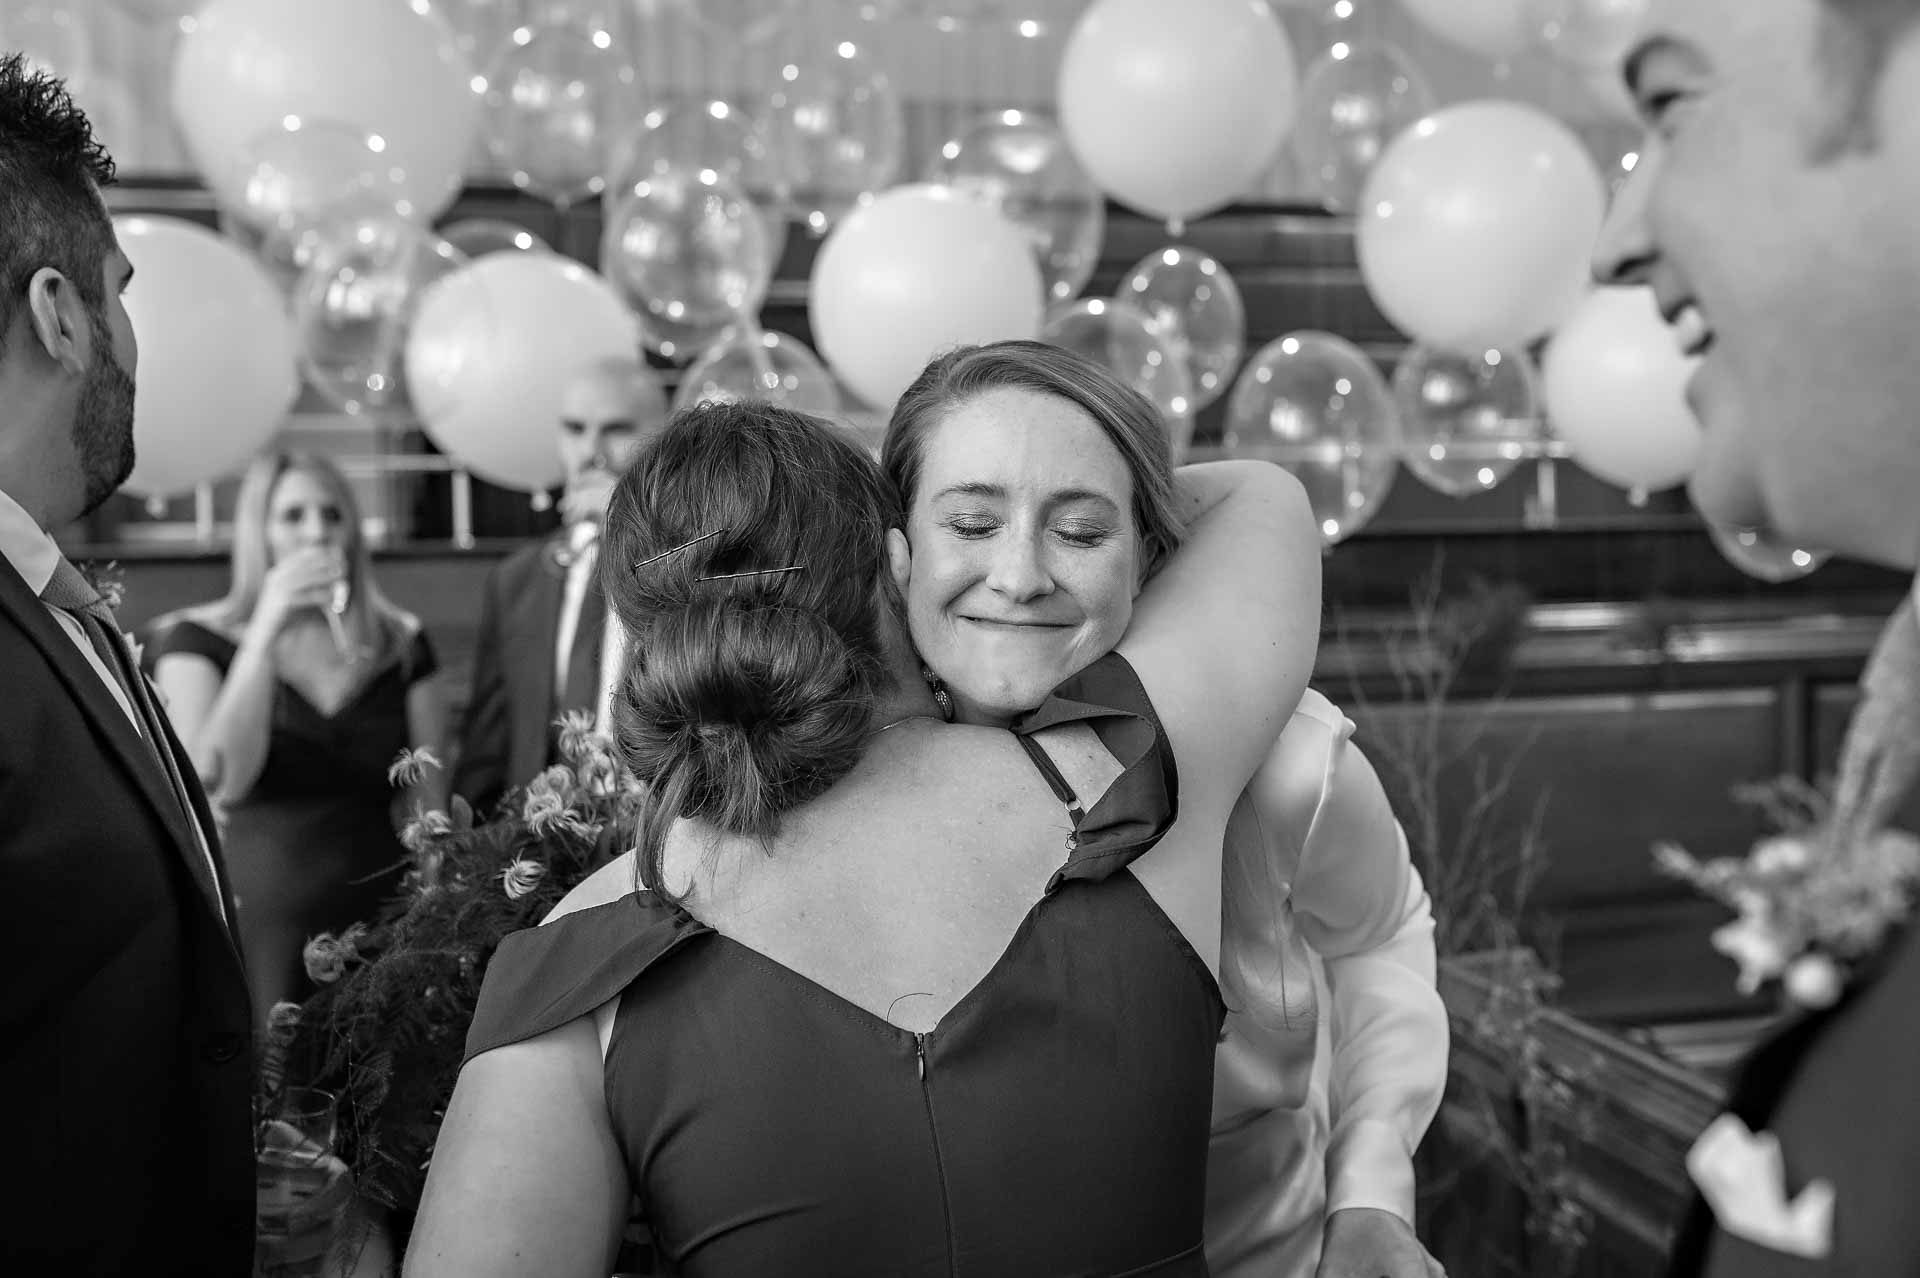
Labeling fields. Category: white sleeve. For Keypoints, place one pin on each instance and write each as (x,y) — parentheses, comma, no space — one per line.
(1361,905)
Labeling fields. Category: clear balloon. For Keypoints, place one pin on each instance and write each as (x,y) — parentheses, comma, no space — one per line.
(1494,29)
(354,305)
(301,172)
(1127,343)
(1315,404)
(1590,35)
(688,136)
(689,253)
(1192,302)
(216,377)
(244,66)
(749,362)
(1615,389)
(1477,227)
(833,119)
(492,350)
(53,39)
(1020,161)
(1176,109)
(1760,556)
(1469,420)
(478,236)
(557,95)
(1354,101)
(480,27)
(158,10)
(910,274)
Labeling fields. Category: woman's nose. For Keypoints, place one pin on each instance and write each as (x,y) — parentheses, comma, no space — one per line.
(1019,569)
(1625,250)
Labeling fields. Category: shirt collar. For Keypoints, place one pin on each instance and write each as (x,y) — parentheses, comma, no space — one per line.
(26,545)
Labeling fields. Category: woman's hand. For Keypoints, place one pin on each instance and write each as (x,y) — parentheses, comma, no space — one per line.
(1364,1242)
(304,579)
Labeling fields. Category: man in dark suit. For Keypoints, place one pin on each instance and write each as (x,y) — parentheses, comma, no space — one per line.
(125,1047)
(541,649)
(1772,213)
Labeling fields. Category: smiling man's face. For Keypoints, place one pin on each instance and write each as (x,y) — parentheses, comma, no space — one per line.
(1025,560)
(1788,256)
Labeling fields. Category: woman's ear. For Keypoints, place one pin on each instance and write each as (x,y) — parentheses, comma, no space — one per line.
(899,558)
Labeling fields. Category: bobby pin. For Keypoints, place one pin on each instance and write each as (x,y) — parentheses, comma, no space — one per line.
(677,549)
(757,572)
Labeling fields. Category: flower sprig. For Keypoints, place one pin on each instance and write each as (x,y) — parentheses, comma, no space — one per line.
(1810,909)
(387,1027)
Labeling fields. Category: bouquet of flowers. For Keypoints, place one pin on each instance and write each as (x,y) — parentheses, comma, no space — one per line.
(1812,906)
(388,1025)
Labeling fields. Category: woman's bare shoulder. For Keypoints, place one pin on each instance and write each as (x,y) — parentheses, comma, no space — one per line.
(610,883)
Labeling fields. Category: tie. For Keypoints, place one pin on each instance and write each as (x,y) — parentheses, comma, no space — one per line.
(70,592)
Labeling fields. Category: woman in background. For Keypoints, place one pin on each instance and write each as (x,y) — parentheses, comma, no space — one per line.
(293,695)
(1007,598)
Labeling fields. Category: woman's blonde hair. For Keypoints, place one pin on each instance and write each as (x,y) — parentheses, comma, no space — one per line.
(375,625)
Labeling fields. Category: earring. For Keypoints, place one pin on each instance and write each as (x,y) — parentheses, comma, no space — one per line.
(941,697)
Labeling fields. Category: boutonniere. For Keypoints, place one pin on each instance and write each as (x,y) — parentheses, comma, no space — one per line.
(108,580)
(1743,1177)
(1811,908)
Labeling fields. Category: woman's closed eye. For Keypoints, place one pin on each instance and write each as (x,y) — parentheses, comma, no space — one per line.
(1083,535)
(971,527)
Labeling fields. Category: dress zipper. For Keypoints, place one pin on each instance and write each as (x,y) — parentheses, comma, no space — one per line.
(920,1050)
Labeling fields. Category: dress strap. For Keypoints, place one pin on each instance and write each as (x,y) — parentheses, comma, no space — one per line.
(542,977)
(1139,807)
(1058,784)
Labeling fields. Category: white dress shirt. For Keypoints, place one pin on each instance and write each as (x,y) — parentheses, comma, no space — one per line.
(1335,1051)
(34,556)
(583,543)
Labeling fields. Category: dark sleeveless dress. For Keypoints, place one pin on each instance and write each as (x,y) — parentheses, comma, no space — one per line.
(311,847)
(1053,1123)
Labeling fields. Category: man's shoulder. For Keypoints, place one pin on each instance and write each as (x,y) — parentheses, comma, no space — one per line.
(516,567)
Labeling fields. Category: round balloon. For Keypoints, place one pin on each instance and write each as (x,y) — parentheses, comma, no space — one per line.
(1477,227)
(490,354)
(300,172)
(1495,29)
(833,119)
(389,69)
(1126,341)
(689,253)
(52,38)
(1177,109)
(686,137)
(216,376)
(1194,303)
(1760,556)
(354,304)
(749,362)
(1354,101)
(1020,161)
(478,236)
(914,272)
(1315,404)
(556,95)
(1468,419)
(1615,390)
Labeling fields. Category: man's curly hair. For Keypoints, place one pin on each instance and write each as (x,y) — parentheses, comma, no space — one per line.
(52,169)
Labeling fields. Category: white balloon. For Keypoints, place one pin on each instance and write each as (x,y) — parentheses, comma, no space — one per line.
(389,68)
(1615,390)
(1476,228)
(1177,109)
(914,272)
(216,376)
(490,353)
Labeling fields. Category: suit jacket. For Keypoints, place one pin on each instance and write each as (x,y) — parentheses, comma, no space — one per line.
(125,1043)
(507,735)
(1841,1090)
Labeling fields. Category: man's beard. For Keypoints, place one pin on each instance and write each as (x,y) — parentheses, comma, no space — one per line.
(103,423)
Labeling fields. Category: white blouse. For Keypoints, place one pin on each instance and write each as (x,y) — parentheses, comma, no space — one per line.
(1321,908)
